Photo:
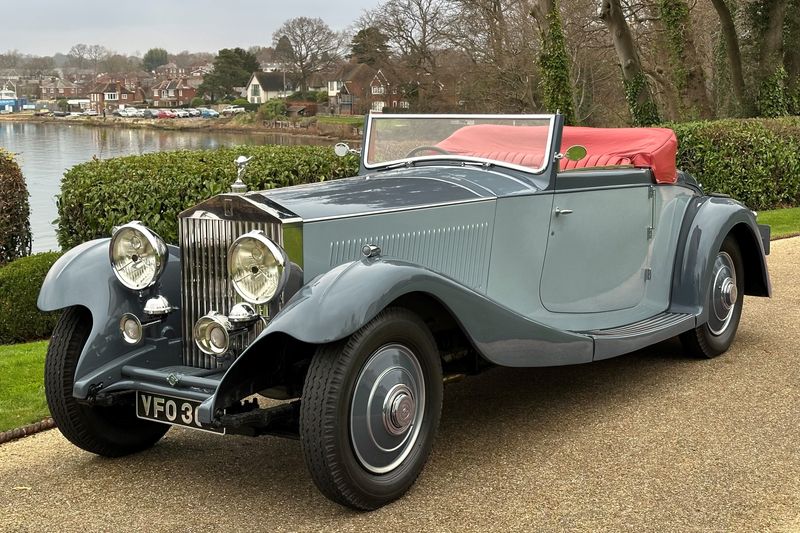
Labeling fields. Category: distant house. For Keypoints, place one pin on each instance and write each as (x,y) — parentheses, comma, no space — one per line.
(170,70)
(57,88)
(199,71)
(264,86)
(173,93)
(385,94)
(358,88)
(109,96)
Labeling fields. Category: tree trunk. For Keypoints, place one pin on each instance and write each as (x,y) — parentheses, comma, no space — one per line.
(554,63)
(687,73)
(637,91)
(734,54)
(772,40)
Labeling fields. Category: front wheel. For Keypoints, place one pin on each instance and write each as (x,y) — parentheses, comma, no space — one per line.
(724,301)
(370,409)
(109,431)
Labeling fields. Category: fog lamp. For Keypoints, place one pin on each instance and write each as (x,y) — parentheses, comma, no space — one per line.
(131,328)
(211,333)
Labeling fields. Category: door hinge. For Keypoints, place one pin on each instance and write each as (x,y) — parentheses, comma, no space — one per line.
(651,192)
(648,274)
(650,230)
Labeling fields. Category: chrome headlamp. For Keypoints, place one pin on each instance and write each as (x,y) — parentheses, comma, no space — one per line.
(138,256)
(212,334)
(258,267)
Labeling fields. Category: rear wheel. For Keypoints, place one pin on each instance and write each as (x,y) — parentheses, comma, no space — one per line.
(370,409)
(108,431)
(724,302)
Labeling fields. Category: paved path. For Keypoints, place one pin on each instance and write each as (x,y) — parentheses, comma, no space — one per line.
(650,441)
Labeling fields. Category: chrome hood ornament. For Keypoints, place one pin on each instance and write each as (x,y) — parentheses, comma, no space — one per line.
(239,186)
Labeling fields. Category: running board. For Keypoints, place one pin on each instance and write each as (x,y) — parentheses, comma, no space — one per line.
(631,337)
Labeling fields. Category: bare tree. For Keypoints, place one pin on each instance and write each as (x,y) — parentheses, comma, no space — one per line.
(308,46)
(77,55)
(95,54)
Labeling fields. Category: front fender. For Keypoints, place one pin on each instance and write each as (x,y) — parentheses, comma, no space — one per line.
(83,277)
(706,224)
(341,301)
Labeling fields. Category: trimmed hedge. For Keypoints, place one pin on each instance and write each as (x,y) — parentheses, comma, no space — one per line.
(154,188)
(20,282)
(756,161)
(15,228)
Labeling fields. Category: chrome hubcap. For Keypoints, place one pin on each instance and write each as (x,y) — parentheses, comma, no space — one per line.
(724,294)
(387,408)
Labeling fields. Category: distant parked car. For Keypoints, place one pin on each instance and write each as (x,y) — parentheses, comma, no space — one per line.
(90,113)
(193,112)
(43,113)
(149,113)
(60,114)
(233,110)
(208,113)
(181,113)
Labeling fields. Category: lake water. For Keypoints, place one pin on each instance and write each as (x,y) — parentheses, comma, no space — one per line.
(46,151)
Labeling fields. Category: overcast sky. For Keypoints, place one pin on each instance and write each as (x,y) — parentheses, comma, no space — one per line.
(49,26)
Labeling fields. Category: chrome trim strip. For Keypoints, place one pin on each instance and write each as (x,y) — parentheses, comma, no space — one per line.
(546,161)
(400,209)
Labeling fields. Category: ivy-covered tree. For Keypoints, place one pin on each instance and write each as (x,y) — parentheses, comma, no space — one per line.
(643,108)
(554,64)
(686,71)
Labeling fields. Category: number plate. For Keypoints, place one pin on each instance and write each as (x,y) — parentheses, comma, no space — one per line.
(170,410)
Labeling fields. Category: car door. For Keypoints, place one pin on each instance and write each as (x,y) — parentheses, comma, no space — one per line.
(598,245)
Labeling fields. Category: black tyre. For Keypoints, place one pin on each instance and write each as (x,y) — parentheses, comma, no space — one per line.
(370,409)
(108,431)
(724,301)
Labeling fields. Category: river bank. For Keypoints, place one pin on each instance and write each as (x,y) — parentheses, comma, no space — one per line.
(245,124)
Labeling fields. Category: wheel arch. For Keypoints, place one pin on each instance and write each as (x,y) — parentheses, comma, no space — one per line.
(707,223)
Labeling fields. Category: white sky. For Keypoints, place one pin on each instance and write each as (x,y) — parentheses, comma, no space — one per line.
(49,26)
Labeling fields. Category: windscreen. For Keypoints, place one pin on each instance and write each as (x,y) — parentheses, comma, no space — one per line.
(514,141)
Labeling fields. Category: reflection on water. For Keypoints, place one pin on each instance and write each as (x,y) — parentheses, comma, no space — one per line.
(46,151)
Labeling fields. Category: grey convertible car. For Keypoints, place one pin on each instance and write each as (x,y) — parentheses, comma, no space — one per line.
(465,241)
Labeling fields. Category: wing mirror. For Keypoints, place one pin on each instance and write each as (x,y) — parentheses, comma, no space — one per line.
(575,152)
(342,149)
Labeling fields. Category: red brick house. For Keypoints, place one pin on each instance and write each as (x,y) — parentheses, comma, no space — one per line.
(57,88)
(173,93)
(109,96)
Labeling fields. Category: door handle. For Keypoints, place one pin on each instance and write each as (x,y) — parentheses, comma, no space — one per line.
(560,211)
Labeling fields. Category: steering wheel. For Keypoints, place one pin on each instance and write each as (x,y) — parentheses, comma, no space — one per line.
(423,148)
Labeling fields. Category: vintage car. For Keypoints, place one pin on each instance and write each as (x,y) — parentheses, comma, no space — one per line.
(335,312)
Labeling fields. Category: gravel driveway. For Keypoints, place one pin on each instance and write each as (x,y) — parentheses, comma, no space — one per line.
(649,441)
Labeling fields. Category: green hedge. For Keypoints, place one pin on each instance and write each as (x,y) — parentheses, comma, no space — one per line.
(756,161)
(154,188)
(20,282)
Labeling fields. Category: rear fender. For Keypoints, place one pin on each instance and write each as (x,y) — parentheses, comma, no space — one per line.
(706,224)
(83,277)
(341,301)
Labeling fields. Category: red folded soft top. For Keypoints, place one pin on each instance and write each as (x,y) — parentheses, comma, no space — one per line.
(654,148)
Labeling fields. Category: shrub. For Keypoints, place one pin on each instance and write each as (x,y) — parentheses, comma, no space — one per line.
(756,161)
(15,227)
(154,188)
(272,109)
(198,102)
(20,282)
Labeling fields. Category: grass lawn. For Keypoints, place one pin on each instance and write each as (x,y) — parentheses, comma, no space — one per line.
(350,120)
(784,222)
(22,384)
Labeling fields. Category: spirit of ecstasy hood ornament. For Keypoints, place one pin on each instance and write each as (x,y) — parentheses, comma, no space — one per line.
(239,186)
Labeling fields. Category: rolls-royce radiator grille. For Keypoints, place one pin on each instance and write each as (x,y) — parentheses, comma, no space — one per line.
(205,284)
